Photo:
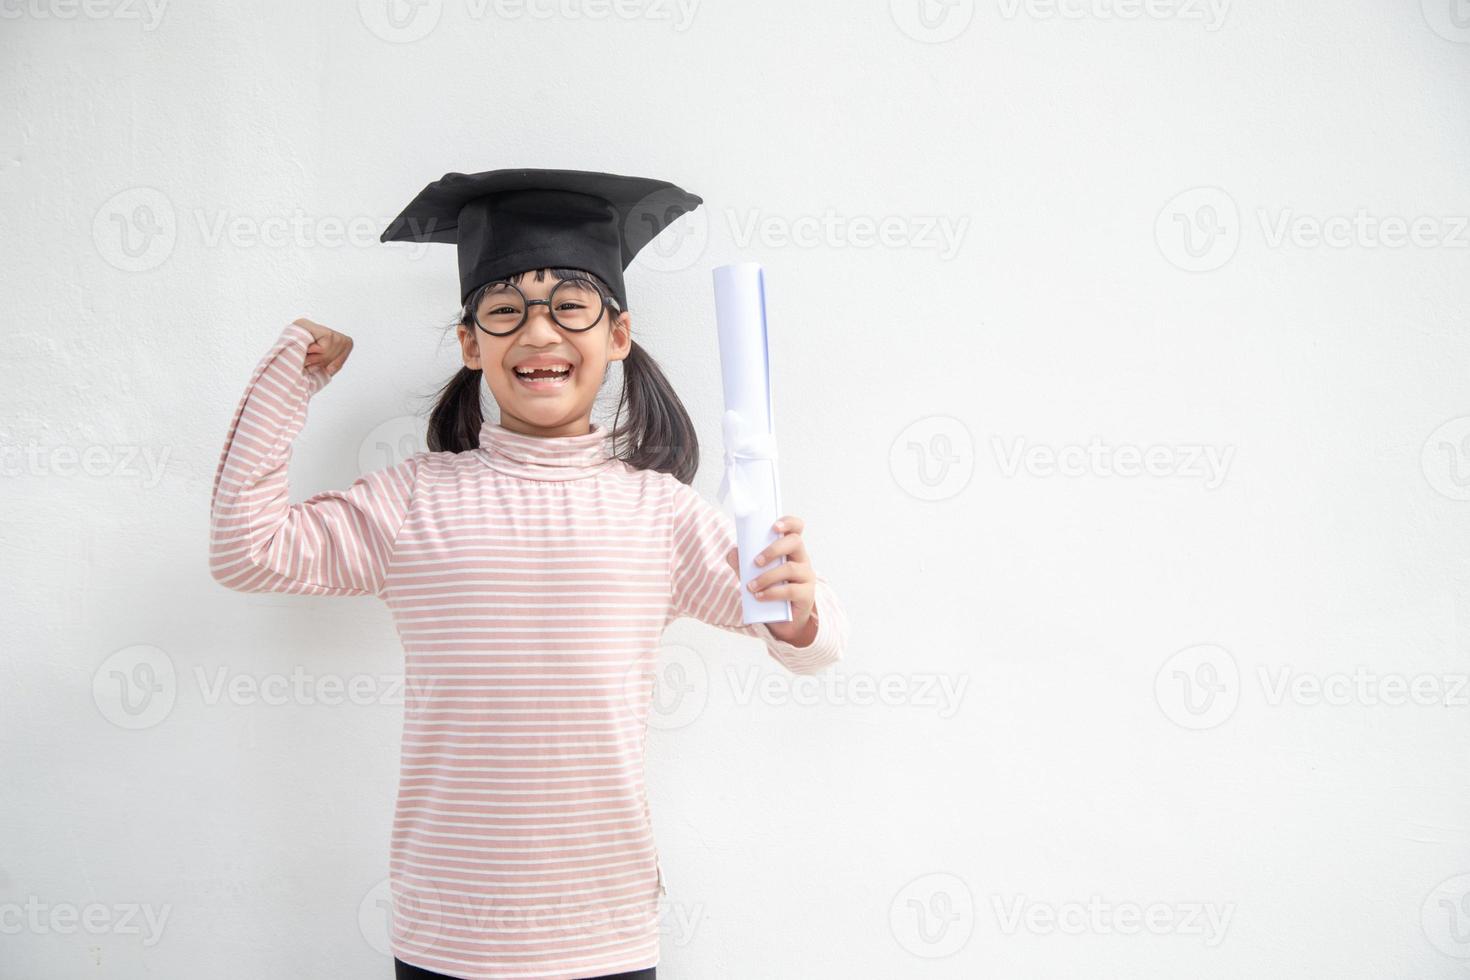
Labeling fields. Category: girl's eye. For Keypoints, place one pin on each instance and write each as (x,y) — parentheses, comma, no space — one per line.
(502,311)
(570,305)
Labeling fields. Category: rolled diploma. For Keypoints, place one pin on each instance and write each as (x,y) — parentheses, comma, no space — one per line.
(750,481)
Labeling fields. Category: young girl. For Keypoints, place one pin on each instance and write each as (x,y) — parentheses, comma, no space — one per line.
(531,566)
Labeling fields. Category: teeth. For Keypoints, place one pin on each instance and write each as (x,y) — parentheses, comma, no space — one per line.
(554,372)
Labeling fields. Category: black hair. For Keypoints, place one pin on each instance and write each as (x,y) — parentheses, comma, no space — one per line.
(657,435)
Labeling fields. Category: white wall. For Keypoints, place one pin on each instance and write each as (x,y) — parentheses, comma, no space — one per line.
(1114,182)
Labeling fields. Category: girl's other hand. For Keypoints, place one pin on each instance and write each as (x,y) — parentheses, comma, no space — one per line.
(794,580)
(328,350)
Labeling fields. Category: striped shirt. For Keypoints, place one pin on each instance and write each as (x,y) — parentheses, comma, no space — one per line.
(530,581)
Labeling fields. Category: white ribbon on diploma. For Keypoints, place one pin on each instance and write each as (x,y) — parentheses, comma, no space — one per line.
(743,442)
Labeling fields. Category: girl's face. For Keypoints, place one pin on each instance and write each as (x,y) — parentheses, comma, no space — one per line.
(547,407)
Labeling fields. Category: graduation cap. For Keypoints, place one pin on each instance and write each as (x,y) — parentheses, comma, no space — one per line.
(509,221)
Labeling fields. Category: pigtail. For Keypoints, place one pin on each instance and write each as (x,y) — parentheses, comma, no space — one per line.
(454,424)
(658,434)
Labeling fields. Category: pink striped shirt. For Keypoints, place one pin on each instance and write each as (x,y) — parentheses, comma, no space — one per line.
(530,581)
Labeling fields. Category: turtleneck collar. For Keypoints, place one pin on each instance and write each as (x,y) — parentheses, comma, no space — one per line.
(543,457)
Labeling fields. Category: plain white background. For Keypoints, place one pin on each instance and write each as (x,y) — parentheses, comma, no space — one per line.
(1121,367)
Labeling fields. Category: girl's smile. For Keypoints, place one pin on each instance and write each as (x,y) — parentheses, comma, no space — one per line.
(541,374)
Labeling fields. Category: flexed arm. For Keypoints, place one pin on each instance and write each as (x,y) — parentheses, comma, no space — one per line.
(334,543)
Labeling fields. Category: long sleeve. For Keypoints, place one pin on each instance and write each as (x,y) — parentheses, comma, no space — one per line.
(334,543)
(705,587)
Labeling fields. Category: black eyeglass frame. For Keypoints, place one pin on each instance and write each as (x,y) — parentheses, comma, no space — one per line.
(607,301)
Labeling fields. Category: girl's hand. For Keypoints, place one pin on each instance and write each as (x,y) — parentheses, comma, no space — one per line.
(793,580)
(328,351)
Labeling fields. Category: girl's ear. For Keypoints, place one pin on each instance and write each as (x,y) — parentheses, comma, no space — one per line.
(620,337)
(469,347)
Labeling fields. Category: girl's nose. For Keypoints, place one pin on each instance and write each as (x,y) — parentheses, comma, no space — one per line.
(539,328)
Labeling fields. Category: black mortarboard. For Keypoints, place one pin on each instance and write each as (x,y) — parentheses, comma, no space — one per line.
(508,221)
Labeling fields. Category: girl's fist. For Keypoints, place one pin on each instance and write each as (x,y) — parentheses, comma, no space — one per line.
(328,350)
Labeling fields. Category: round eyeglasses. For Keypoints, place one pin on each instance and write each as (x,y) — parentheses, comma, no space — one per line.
(574,304)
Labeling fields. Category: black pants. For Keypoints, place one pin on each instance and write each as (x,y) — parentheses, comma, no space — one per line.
(402,971)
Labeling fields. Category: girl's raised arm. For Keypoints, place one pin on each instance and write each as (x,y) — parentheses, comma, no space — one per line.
(707,588)
(334,543)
